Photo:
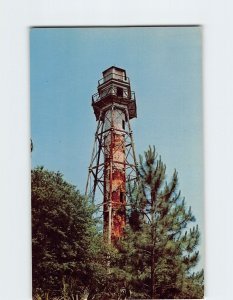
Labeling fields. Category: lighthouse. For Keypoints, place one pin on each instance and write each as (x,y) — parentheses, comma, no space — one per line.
(113,166)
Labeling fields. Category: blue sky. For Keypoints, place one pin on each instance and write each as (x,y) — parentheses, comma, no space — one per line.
(164,65)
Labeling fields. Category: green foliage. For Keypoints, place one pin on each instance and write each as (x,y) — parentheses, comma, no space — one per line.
(159,249)
(63,237)
(155,258)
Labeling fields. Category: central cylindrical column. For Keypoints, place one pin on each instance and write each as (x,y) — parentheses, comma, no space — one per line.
(114,174)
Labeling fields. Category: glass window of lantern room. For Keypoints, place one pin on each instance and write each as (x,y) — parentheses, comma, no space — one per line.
(119,92)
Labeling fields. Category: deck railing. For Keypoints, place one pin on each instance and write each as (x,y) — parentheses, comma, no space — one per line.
(113,76)
(96,97)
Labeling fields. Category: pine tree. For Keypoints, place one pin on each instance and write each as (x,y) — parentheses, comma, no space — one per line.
(159,249)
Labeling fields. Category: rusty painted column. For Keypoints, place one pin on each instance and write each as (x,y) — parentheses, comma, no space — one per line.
(114,174)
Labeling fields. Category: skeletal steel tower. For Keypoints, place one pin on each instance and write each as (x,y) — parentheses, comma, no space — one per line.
(113,161)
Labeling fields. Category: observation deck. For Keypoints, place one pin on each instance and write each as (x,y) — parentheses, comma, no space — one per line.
(114,88)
